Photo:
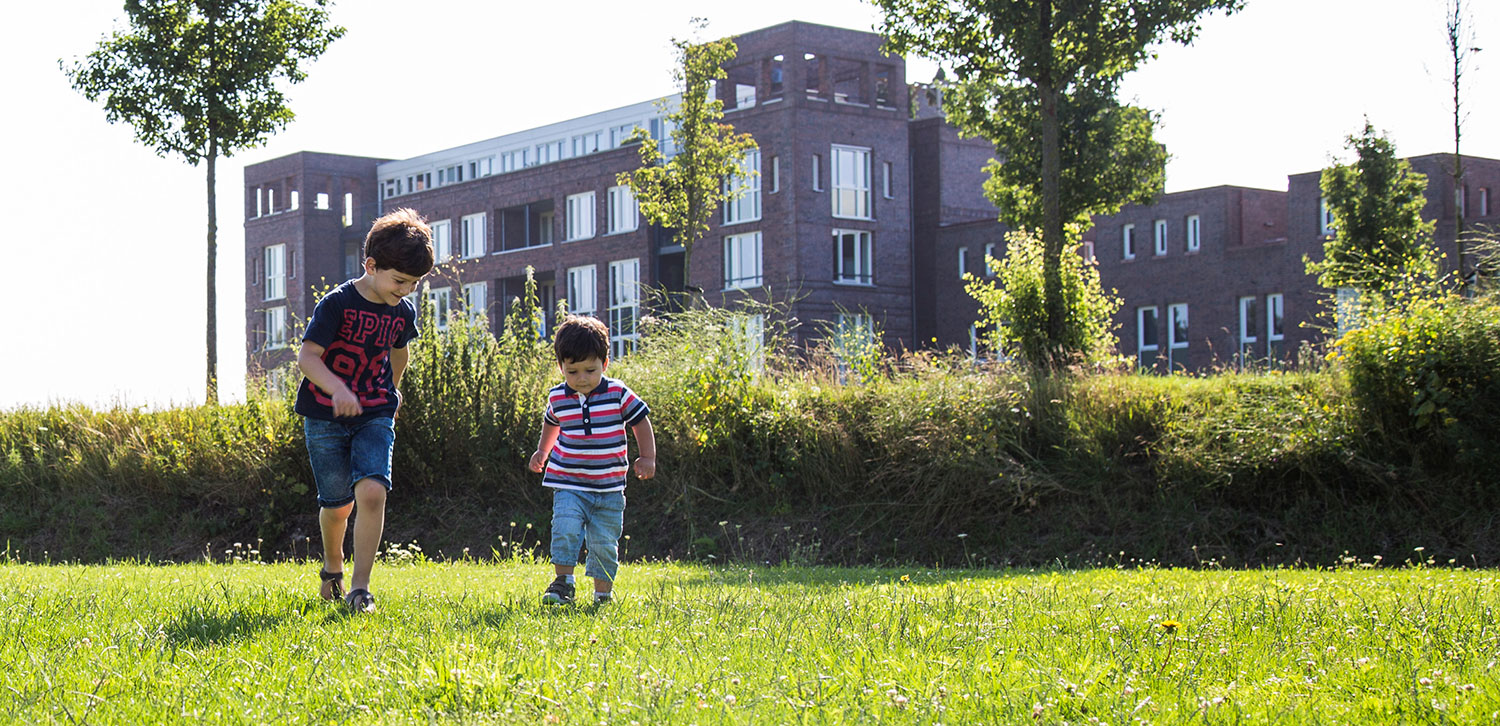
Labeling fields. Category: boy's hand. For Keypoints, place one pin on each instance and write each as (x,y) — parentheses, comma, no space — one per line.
(538,461)
(645,467)
(345,403)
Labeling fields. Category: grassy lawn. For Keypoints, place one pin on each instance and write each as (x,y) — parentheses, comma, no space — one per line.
(469,642)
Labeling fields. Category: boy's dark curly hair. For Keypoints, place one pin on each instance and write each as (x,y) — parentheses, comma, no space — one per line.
(581,337)
(401,241)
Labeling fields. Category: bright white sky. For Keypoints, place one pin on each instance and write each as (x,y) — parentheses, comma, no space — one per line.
(107,288)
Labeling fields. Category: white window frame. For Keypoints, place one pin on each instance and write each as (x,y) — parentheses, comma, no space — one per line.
(742,261)
(1159,235)
(276,328)
(348,219)
(864,254)
(476,302)
(295,201)
(1176,312)
(270,201)
(1325,217)
(851,182)
(750,331)
(1127,242)
(441,300)
(275,269)
(1248,337)
(775,174)
(1484,201)
(963,261)
(1194,227)
(888,173)
(989,254)
(442,240)
(1088,251)
(624,305)
(321,201)
(473,232)
(817,172)
(1141,349)
(746,184)
(583,290)
(1275,321)
(260,209)
(581,215)
(623,215)
(851,330)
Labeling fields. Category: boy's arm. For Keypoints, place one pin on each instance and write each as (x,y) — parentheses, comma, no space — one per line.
(310,361)
(645,440)
(399,357)
(544,447)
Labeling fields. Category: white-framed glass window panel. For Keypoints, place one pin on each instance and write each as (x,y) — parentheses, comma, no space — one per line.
(388,188)
(622,210)
(441,300)
(817,172)
(442,240)
(270,201)
(1484,201)
(276,327)
(260,209)
(618,134)
(1159,235)
(481,167)
(888,180)
(275,267)
(473,231)
(989,254)
(775,174)
(587,143)
(855,254)
(746,184)
(1194,233)
(1249,326)
(973,341)
(1127,241)
(321,201)
(1147,337)
(963,261)
(1177,325)
(295,200)
(476,301)
(742,261)
(1346,309)
(583,290)
(624,305)
(1325,217)
(348,209)
(750,330)
(547,221)
(851,182)
(1087,250)
(580,219)
(853,334)
(1275,307)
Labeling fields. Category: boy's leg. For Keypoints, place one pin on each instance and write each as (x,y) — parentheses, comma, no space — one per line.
(328,453)
(568,520)
(369,525)
(333,522)
(605,524)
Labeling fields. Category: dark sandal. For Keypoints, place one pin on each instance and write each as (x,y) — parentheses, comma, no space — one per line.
(360,601)
(337,578)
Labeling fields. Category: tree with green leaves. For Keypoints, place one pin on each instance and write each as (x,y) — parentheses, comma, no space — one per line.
(1040,73)
(682,192)
(1380,241)
(200,79)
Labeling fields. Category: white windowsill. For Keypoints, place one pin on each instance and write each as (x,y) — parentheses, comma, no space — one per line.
(520,249)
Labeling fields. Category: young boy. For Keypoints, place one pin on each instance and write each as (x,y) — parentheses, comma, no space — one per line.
(583,450)
(353,355)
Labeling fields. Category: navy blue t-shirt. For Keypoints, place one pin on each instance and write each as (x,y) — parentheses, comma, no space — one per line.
(357,337)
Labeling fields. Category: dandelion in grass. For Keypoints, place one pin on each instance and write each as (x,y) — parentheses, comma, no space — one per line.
(905,579)
(1169,626)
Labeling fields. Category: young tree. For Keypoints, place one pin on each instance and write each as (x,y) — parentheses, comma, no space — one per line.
(198,78)
(1461,47)
(682,192)
(1042,55)
(1380,240)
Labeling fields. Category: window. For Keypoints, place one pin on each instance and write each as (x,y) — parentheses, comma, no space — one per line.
(775,174)
(580,219)
(270,201)
(348,209)
(1177,333)
(1274,332)
(750,330)
(1148,340)
(390,188)
(1087,250)
(1325,217)
(622,212)
(515,160)
(1484,201)
(524,225)
(473,230)
(582,290)
(855,257)
(475,304)
(1460,195)
(742,261)
(1159,228)
(619,134)
(817,173)
(442,241)
(276,327)
(418,182)
(321,201)
(587,143)
(481,167)
(854,334)
(624,305)
(450,174)
(1194,239)
(885,176)
(743,189)
(275,272)
(1346,309)
(963,261)
(441,300)
(295,200)
(1248,328)
(551,151)
(259,200)
(1127,241)
(989,254)
(851,182)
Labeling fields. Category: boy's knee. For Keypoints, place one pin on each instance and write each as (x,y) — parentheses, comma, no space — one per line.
(369,493)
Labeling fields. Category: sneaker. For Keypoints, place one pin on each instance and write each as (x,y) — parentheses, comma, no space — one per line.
(560,592)
(603,598)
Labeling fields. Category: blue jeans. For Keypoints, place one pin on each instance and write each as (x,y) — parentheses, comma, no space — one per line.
(593,517)
(343,453)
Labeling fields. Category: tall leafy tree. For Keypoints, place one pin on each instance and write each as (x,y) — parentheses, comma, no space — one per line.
(1380,240)
(682,192)
(1058,62)
(200,79)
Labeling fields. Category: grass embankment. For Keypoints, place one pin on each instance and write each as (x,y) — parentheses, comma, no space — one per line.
(469,642)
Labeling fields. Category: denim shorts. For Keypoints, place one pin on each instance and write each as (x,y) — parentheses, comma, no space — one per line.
(592,518)
(345,452)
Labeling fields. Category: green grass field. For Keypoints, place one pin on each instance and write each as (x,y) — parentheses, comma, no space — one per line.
(468,642)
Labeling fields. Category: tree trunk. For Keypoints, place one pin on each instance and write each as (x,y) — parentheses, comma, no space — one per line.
(1052,227)
(1458,173)
(211,396)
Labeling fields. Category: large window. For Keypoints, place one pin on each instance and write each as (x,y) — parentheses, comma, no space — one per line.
(580,219)
(442,240)
(275,272)
(473,229)
(1159,228)
(742,261)
(524,225)
(441,300)
(853,336)
(1177,334)
(751,332)
(587,143)
(746,184)
(1249,326)
(276,327)
(476,302)
(624,305)
(851,182)
(1194,233)
(855,253)
(622,212)
(1147,337)
(1274,331)
(1127,242)
(582,290)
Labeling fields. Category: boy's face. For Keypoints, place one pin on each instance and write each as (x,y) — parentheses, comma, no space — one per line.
(390,285)
(583,375)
